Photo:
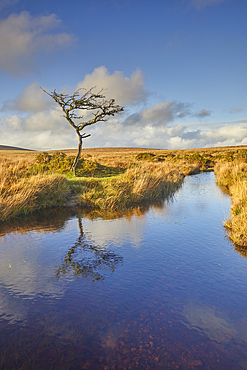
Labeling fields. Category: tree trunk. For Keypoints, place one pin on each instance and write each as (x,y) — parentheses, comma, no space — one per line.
(73,168)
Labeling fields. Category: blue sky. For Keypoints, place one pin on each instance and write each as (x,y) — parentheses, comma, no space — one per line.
(177,66)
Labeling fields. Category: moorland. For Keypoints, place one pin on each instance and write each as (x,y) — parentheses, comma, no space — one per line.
(117,179)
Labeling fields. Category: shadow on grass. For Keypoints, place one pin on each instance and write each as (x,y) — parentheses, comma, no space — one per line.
(61,163)
(95,169)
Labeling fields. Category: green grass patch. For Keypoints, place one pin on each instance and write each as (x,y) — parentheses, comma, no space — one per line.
(59,162)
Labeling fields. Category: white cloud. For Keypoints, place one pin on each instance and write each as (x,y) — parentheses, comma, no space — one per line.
(46,121)
(125,91)
(165,112)
(203,3)
(23,38)
(32,99)
(48,130)
(166,136)
(227,132)
(42,125)
(41,130)
(160,113)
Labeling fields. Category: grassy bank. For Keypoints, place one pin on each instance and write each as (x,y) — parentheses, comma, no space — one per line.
(117,179)
(233,175)
(139,184)
(23,193)
(43,180)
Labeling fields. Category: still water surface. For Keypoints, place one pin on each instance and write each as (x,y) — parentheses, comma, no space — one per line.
(163,289)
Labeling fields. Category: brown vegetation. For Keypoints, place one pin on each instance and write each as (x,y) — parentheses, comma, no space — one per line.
(20,193)
(233,175)
(137,185)
(118,178)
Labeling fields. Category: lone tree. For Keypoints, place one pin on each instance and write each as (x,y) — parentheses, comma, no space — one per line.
(96,103)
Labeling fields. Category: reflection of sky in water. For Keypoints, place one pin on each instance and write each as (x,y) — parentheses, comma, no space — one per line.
(119,231)
(176,261)
(204,318)
(26,271)
(218,326)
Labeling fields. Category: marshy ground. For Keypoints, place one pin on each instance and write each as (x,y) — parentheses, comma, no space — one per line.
(115,179)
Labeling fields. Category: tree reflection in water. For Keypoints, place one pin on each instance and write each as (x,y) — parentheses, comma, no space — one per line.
(87,260)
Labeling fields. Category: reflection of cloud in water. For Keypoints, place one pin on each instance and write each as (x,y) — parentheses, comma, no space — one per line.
(204,318)
(23,278)
(216,325)
(28,261)
(226,332)
(118,231)
(24,274)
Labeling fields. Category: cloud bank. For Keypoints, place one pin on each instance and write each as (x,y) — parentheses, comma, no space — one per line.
(37,123)
(48,130)
(23,38)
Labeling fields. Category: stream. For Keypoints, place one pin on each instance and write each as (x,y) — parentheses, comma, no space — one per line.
(161,288)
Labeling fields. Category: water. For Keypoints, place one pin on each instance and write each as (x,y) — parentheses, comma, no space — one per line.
(161,289)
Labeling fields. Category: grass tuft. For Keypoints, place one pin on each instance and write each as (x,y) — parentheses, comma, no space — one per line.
(116,179)
(20,193)
(233,175)
(138,184)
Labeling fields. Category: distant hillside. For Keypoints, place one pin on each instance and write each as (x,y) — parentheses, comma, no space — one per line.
(6,147)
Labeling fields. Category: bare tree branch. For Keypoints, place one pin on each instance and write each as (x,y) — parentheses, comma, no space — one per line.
(100,108)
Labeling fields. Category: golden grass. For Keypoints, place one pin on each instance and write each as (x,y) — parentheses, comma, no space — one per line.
(20,193)
(229,173)
(136,181)
(234,177)
(138,184)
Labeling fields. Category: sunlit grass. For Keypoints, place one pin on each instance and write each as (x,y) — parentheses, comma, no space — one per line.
(136,185)
(20,193)
(115,179)
(234,177)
